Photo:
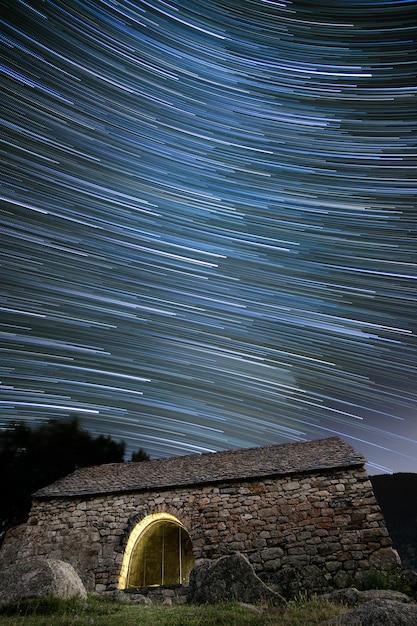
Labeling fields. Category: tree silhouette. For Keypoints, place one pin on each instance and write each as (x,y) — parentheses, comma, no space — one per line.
(31,458)
(139,455)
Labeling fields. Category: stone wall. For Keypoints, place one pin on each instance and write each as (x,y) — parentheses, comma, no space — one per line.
(314,531)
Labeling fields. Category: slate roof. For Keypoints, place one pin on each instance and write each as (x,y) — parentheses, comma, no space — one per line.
(213,467)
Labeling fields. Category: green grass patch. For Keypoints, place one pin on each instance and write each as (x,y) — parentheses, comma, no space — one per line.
(103,612)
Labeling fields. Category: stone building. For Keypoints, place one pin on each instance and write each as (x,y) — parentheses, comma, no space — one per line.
(304,514)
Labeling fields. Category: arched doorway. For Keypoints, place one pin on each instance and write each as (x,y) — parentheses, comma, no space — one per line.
(158,552)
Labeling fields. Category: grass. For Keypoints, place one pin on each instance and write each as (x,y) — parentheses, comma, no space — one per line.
(383,580)
(103,612)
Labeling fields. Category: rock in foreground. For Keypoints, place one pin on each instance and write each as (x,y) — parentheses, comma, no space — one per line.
(378,613)
(230,578)
(353,597)
(38,577)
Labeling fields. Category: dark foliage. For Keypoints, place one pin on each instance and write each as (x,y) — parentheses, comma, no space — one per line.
(397,497)
(139,455)
(31,458)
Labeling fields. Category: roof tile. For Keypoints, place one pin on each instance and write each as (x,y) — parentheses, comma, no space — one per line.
(214,467)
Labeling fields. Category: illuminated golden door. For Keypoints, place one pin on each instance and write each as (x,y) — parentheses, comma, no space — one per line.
(159,552)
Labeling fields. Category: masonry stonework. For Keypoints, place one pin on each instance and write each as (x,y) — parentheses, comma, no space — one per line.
(312,530)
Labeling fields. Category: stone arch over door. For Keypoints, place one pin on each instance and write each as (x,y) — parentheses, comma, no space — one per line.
(158,552)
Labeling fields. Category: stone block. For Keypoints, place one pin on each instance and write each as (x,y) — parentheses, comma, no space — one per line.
(291,486)
(272,553)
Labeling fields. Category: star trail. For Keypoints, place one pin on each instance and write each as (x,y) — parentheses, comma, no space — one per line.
(209,222)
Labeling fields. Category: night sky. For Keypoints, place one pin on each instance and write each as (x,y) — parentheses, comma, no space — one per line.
(209,222)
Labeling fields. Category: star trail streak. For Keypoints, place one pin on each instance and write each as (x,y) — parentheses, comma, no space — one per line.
(209,222)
